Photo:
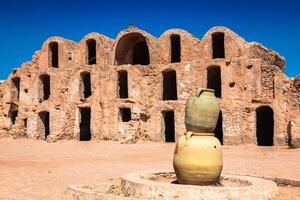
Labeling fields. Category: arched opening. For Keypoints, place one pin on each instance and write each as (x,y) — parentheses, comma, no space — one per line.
(91,54)
(86,86)
(169,85)
(169,126)
(264,126)
(214,80)
(218,46)
(219,128)
(45,87)
(132,49)
(175,48)
(123,84)
(85,124)
(15,88)
(13,113)
(44,122)
(53,54)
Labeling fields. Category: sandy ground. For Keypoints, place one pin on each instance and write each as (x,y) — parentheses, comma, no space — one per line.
(32,169)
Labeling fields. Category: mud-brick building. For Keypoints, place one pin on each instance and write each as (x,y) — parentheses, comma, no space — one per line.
(135,87)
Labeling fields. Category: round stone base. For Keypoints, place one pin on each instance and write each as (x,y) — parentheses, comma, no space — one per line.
(164,186)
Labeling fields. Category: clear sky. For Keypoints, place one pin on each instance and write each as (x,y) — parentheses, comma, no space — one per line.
(25,25)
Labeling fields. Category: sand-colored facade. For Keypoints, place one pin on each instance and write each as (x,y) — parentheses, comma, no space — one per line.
(135,87)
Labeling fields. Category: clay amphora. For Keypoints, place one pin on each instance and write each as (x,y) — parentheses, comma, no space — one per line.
(198,159)
(202,111)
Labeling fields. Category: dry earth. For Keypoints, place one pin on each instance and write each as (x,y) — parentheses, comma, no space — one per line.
(32,169)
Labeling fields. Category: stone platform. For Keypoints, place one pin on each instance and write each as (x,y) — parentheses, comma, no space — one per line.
(163,185)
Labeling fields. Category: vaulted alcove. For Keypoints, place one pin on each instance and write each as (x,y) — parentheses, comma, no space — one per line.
(132,49)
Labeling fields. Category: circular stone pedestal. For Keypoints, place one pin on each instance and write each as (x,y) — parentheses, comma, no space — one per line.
(163,185)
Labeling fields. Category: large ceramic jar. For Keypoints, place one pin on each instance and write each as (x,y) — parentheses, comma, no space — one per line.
(202,111)
(198,159)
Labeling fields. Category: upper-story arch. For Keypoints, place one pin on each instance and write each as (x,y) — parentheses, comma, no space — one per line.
(177,45)
(135,47)
(221,42)
(132,49)
(94,48)
(57,52)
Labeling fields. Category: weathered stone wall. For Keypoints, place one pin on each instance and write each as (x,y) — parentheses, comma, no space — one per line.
(251,76)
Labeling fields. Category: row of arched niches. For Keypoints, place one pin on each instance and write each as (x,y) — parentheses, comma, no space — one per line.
(137,47)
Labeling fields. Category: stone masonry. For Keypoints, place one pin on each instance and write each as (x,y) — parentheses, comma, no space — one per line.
(135,88)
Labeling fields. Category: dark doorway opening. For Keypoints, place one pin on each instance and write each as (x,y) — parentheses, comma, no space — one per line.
(125,114)
(16,88)
(264,126)
(85,124)
(169,126)
(25,121)
(87,86)
(169,85)
(175,49)
(218,45)
(45,119)
(53,54)
(289,133)
(13,114)
(214,80)
(132,49)
(123,84)
(91,55)
(45,80)
(219,128)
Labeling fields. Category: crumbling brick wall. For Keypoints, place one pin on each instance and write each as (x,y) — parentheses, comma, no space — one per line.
(250,76)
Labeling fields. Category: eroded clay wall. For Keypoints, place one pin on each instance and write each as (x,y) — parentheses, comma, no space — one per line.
(251,76)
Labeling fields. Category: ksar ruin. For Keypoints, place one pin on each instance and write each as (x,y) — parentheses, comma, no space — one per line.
(135,88)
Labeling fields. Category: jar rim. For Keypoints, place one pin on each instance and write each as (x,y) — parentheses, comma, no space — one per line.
(201,134)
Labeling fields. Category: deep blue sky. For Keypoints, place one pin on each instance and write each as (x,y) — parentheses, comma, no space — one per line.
(26,24)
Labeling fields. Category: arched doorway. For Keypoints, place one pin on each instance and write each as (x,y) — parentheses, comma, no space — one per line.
(45,87)
(218,46)
(44,124)
(91,51)
(85,124)
(214,80)
(85,85)
(175,48)
(264,126)
(169,125)
(53,54)
(132,49)
(123,84)
(169,85)
(15,88)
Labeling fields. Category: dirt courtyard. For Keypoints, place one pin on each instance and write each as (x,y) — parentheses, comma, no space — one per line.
(32,169)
